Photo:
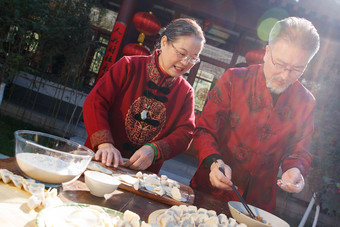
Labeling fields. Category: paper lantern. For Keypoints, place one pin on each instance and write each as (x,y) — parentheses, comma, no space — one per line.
(135,49)
(255,56)
(147,23)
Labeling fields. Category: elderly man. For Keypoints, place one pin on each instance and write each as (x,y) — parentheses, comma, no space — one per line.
(258,119)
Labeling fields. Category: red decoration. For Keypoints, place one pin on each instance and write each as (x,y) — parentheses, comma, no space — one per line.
(255,56)
(135,49)
(147,23)
(112,48)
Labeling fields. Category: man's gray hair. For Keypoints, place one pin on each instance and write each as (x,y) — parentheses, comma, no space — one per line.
(298,31)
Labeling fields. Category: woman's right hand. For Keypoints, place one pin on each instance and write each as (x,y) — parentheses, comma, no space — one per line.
(108,154)
(218,179)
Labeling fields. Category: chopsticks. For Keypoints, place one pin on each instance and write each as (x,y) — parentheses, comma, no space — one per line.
(236,192)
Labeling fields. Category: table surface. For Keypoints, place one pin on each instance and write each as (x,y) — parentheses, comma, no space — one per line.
(121,200)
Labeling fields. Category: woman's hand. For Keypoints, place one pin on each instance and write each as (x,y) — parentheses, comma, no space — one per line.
(218,179)
(291,181)
(108,154)
(142,158)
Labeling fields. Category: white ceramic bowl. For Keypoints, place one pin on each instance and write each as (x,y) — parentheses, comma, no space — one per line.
(50,159)
(100,183)
(238,212)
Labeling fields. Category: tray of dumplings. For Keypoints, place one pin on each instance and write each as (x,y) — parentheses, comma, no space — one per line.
(150,185)
(184,215)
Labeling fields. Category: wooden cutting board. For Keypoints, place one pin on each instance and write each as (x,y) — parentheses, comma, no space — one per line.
(13,209)
(186,191)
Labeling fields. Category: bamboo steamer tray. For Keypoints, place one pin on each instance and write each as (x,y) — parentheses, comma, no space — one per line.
(186,191)
(13,208)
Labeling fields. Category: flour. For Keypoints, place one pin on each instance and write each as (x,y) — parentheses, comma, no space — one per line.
(46,168)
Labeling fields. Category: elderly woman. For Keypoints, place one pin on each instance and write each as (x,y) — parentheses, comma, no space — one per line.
(142,108)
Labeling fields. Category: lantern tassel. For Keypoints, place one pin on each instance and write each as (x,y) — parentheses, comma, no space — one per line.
(141,37)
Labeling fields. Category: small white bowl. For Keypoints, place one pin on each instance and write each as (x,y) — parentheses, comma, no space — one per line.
(100,183)
(238,212)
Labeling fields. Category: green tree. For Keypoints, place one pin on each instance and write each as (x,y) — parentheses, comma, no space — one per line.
(44,34)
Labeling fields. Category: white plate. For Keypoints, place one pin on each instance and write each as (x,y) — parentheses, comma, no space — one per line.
(62,211)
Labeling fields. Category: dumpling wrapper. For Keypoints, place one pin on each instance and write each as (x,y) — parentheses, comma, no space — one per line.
(128,179)
(97,167)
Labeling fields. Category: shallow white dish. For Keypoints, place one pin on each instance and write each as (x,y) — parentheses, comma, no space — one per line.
(100,183)
(238,212)
(57,215)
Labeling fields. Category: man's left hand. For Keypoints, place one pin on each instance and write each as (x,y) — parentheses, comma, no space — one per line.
(291,181)
(141,159)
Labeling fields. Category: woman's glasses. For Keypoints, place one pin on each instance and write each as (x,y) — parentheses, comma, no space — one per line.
(184,57)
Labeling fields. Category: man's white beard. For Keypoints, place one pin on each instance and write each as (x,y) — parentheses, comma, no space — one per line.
(275,90)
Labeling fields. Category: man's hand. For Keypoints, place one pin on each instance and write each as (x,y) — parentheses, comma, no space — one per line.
(217,179)
(291,181)
(108,154)
(142,158)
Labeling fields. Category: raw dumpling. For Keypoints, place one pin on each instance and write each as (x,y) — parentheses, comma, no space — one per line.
(211,213)
(223,219)
(6,176)
(176,194)
(17,180)
(136,185)
(232,222)
(165,220)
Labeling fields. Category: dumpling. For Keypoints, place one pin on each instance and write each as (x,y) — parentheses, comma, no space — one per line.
(165,220)
(176,194)
(139,174)
(26,183)
(186,222)
(164,177)
(176,210)
(232,222)
(37,189)
(136,185)
(122,223)
(211,213)
(6,176)
(17,180)
(212,220)
(201,218)
(192,209)
(202,211)
(33,202)
(223,219)
(184,209)
(129,216)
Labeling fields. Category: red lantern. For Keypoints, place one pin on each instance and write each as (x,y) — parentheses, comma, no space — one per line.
(255,56)
(135,49)
(147,23)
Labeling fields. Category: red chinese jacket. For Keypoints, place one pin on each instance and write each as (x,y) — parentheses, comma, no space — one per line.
(135,103)
(253,136)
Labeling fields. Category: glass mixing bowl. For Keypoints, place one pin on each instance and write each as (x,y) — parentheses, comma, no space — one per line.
(50,159)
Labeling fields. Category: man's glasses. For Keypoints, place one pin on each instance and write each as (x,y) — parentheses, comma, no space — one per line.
(184,57)
(282,67)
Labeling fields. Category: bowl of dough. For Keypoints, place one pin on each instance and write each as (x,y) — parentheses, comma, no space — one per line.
(262,217)
(50,159)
